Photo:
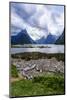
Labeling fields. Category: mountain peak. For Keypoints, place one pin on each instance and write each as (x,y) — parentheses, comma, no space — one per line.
(23,31)
(22,38)
(50,39)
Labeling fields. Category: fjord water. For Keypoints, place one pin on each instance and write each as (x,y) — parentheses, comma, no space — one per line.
(51,48)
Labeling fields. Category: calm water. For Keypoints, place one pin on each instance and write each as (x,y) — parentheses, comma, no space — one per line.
(49,49)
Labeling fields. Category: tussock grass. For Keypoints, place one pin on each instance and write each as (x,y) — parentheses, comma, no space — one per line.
(41,85)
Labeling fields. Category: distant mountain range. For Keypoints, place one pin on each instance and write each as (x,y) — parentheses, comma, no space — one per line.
(49,40)
(23,38)
(60,40)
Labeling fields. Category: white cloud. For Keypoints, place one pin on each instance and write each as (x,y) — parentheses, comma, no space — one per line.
(29,9)
(36,33)
(43,20)
(17,21)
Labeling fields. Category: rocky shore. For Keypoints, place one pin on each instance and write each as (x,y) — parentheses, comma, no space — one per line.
(32,68)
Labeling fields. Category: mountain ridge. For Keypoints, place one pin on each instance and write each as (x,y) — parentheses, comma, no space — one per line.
(49,40)
(22,38)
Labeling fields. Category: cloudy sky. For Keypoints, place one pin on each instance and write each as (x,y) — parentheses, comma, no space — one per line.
(38,20)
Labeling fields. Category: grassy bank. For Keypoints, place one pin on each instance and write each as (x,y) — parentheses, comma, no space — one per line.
(42,85)
(37,55)
(14,72)
(48,83)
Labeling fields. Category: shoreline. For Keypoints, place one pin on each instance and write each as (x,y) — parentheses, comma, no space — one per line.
(37,55)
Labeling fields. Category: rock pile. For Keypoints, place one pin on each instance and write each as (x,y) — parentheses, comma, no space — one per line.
(33,67)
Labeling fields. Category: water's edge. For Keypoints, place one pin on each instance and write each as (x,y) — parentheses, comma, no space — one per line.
(52,49)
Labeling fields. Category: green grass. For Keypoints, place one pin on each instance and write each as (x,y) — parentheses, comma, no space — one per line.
(14,72)
(42,85)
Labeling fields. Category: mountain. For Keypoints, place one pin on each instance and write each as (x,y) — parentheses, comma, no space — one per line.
(21,38)
(41,41)
(50,39)
(60,40)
